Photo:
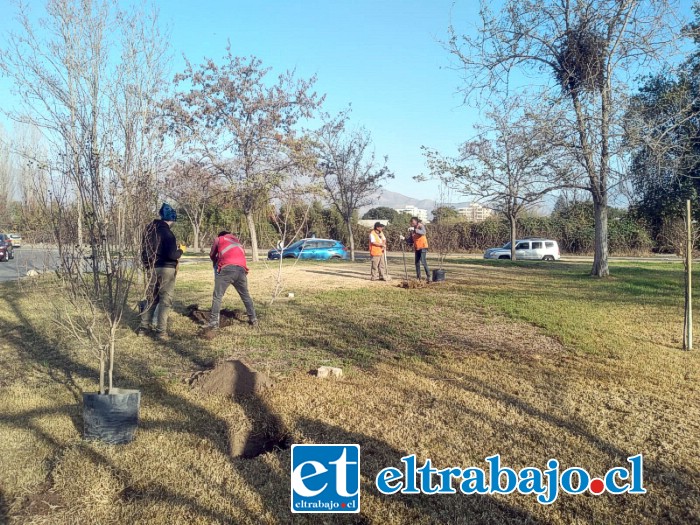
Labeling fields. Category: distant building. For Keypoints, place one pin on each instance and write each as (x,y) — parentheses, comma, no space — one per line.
(475,212)
(414,212)
(369,223)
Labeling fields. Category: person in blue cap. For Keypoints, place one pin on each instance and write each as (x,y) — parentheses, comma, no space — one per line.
(160,255)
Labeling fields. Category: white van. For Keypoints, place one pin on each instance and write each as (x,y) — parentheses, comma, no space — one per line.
(527,249)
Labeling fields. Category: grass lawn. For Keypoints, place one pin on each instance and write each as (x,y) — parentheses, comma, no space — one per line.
(528,360)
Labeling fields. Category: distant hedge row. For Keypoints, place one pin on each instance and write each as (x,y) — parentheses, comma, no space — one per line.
(626,235)
(572,227)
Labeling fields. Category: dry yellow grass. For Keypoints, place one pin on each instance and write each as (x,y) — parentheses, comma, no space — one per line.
(500,359)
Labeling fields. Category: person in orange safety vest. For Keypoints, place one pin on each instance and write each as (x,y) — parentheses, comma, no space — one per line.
(420,245)
(377,247)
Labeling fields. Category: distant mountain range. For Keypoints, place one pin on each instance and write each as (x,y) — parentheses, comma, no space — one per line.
(392,199)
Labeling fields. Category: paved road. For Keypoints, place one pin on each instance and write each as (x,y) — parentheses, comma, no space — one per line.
(26,259)
(585,258)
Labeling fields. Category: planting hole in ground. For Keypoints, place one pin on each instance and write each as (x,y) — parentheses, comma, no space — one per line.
(242,383)
(226,317)
(249,445)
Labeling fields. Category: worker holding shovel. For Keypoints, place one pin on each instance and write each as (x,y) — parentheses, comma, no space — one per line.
(377,251)
(160,255)
(420,246)
(229,260)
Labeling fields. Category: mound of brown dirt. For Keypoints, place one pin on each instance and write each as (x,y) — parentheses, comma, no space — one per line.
(232,378)
(207,334)
(412,284)
(226,317)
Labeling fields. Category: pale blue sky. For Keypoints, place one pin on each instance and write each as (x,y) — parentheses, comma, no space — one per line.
(383,56)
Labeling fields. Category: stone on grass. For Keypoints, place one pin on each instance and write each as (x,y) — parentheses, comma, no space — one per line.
(329,371)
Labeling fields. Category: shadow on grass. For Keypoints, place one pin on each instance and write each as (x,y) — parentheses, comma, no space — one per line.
(262,478)
(677,481)
(36,349)
(4,511)
(342,273)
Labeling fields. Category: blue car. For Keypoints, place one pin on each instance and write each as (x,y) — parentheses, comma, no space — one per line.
(316,249)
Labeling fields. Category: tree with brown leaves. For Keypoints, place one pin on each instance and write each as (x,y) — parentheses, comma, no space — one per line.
(243,123)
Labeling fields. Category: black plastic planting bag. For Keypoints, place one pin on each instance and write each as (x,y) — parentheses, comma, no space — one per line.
(112,417)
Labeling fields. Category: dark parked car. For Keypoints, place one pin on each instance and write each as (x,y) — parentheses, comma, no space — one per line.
(318,249)
(7,251)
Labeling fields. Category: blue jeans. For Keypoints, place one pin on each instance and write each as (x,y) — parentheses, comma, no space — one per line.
(422,257)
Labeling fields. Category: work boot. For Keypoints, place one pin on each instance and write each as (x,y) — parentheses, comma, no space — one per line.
(162,336)
(253,323)
(141,331)
(211,326)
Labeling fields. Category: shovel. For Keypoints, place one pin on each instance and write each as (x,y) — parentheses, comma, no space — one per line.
(386,267)
(403,251)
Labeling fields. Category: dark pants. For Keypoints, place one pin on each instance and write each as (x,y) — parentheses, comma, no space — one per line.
(236,276)
(159,296)
(421,257)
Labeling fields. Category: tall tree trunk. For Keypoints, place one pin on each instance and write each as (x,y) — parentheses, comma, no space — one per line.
(598,179)
(513,234)
(600,193)
(103,357)
(195,231)
(250,221)
(600,257)
(112,337)
(351,237)
(80,221)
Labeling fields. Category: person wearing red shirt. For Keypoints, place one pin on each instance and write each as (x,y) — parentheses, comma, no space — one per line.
(231,269)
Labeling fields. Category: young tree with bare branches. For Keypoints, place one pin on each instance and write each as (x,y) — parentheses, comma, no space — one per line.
(586,52)
(294,200)
(88,75)
(243,124)
(193,187)
(7,174)
(510,164)
(349,169)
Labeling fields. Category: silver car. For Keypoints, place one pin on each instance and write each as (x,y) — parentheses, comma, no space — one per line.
(527,249)
(16,240)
